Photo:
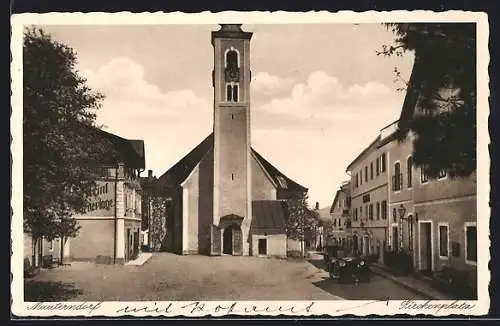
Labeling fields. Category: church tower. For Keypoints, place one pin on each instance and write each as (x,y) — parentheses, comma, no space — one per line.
(232,184)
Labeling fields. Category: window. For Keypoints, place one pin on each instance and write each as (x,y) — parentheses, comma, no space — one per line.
(378,166)
(282,182)
(397,178)
(371,171)
(366,173)
(409,167)
(232,60)
(361,177)
(357,181)
(382,163)
(423,174)
(361,212)
(470,243)
(356,214)
(443,241)
(366,212)
(232,92)
(384,209)
(442,174)
(378,211)
(371,212)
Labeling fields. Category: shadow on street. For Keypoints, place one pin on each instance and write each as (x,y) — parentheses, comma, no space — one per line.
(318,264)
(49,291)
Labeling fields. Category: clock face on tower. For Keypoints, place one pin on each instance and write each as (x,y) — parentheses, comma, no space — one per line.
(232,74)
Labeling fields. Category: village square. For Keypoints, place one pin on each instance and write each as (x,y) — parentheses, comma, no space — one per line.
(218,218)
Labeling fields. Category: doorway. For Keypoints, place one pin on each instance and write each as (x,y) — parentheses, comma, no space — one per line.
(395,238)
(227,241)
(262,247)
(425,246)
(355,244)
(366,245)
(127,245)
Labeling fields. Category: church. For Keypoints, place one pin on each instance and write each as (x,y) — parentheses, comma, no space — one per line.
(225,198)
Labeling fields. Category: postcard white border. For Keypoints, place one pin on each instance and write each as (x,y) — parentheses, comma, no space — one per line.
(333,308)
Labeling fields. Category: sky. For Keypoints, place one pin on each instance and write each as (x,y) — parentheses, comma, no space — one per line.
(320,94)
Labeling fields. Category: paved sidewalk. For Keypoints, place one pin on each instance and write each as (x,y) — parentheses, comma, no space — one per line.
(140,260)
(411,283)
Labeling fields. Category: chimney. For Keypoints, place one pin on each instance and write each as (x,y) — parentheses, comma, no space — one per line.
(150,174)
(317,206)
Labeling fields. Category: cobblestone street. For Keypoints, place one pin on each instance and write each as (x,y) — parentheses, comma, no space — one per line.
(171,277)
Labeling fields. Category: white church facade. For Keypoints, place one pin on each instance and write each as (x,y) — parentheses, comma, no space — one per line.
(227,198)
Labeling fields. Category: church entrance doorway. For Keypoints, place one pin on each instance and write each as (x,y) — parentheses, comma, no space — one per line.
(227,237)
(232,240)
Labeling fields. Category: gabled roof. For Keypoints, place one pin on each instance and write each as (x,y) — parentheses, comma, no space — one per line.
(181,170)
(279,177)
(131,152)
(411,97)
(362,154)
(269,216)
(335,200)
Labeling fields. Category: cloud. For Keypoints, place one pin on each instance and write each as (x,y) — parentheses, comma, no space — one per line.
(324,97)
(268,84)
(170,122)
(369,89)
(323,124)
(123,82)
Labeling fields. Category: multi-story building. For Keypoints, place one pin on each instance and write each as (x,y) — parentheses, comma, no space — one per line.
(443,219)
(369,196)
(110,227)
(340,213)
(401,220)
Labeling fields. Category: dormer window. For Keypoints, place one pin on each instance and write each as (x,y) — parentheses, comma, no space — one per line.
(282,182)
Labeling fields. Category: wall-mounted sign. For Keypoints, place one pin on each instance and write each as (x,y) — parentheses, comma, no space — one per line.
(102,201)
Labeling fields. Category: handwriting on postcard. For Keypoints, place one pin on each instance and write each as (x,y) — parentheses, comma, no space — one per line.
(199,308)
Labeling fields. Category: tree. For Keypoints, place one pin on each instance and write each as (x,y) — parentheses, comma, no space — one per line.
(61,145)
(328,230)
(443,83)
(301,221)
(158,222)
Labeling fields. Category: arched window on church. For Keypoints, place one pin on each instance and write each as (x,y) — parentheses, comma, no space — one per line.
(232,74)
(232,59)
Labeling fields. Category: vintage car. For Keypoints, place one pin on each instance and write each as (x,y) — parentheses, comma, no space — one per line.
(346,267)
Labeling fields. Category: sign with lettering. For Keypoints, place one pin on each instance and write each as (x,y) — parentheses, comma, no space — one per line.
(102,201)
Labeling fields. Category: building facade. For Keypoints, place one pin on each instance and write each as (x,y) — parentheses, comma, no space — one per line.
(443,212)
(225,195)
(110,227)
(370,198)
(340,213)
